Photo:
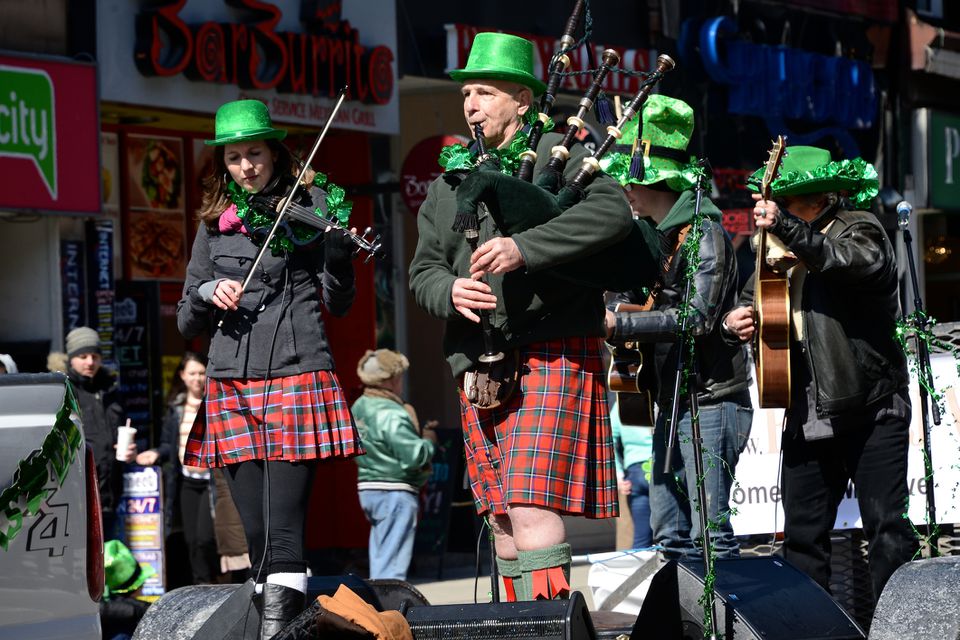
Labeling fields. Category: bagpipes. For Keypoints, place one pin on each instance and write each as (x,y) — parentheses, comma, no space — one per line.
(517,205)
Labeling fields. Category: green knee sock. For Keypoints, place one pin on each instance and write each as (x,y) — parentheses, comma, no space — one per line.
(546,572)
(510,571)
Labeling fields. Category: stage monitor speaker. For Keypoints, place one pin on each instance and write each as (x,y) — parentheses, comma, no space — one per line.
(542,619)
(920,602)
(756,598)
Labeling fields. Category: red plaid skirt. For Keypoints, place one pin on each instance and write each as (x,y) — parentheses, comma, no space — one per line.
(306,417)
(550,445)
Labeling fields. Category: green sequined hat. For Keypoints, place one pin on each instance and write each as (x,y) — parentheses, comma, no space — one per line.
(500,56)
(810,170)
(122,573)
(667,128)
(244,121)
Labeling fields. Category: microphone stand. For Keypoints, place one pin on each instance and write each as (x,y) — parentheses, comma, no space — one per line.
(925,375)
(693,383)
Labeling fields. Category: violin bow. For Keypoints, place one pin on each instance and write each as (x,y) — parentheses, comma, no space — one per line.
(293,192)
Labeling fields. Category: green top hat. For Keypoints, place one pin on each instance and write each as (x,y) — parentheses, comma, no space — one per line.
(809,170)
(500,56)
(122,572)
(243,121)
(667,128)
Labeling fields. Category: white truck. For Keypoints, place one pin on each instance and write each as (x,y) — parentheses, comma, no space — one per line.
(51,540)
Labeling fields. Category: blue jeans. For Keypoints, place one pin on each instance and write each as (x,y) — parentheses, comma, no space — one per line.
(393,525)
(639,503)
(724,428)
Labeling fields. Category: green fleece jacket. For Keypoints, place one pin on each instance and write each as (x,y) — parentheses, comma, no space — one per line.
(396,453)
(532,305)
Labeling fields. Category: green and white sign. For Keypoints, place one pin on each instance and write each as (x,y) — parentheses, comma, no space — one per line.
(27,120)
(944,160)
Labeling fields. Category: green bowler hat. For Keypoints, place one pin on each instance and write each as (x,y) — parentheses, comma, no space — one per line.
(807,170)
(243,121)
(667,129)
(122,573)
(500,56)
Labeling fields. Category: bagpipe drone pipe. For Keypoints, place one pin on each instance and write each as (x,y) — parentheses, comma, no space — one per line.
(517,205)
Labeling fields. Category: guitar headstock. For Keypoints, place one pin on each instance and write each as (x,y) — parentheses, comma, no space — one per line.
(771,170)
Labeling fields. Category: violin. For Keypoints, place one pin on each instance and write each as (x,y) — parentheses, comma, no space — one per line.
(365,242)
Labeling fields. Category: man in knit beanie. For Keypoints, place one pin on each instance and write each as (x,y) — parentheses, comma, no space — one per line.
(101,414)
(396,465)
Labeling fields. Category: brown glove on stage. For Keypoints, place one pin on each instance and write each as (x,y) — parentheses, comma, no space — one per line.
(384,625)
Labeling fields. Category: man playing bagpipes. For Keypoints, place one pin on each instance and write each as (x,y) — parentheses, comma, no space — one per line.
(524,343)
(663,190)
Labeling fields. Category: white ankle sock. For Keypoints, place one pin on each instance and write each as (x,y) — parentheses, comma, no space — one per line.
(296,581)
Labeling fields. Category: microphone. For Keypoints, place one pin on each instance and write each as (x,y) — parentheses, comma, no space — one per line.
(904,209)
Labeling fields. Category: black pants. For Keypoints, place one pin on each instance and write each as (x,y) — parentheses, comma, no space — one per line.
(815,475)
(278,506)
(195,510)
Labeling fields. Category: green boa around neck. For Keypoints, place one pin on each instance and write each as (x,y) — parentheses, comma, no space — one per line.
(458,157)
(294,233)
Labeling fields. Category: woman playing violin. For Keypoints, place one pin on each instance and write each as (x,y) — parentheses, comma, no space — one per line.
(274,407)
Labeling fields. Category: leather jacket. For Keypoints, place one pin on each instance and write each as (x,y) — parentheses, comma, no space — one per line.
(723,374)
(850,306)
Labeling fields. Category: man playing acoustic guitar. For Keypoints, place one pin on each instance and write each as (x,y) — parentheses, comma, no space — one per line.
(664,193)
(849,410)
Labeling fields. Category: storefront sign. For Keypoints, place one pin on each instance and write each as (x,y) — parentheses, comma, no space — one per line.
(100,267)
(294,56)
(944,160)
(73,279)
(141,511)
(420,168)
(460,39)
(781,82)
(48,135)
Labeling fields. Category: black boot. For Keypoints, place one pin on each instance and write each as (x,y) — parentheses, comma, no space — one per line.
(280,605)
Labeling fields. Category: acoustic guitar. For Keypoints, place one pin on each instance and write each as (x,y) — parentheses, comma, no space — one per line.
(631,376)
(771,305)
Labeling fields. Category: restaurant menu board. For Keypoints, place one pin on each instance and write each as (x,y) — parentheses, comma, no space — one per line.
(141,512)
(156,233)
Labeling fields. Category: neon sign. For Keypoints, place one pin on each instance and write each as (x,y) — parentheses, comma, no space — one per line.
(254,55)
(785,83)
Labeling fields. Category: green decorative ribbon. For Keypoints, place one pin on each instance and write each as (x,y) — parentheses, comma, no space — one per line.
(293,233)
(41,474)
(458,157)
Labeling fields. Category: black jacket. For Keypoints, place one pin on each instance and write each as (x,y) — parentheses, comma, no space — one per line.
(284,296)
(850,306)
(101,414)
(722,367)
(169,456)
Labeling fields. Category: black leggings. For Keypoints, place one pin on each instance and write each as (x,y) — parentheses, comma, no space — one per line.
(289,490)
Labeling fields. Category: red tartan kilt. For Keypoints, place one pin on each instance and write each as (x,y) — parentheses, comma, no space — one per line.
(306,417)
(551,444)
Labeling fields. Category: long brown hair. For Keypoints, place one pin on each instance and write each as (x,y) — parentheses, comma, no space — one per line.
(176,384)
(215,195)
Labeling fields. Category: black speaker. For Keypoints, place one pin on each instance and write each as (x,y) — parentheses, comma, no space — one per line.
(920,602)
(756,598)
(542,619)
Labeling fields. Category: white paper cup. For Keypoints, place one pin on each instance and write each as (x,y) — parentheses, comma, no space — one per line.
(125,436)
